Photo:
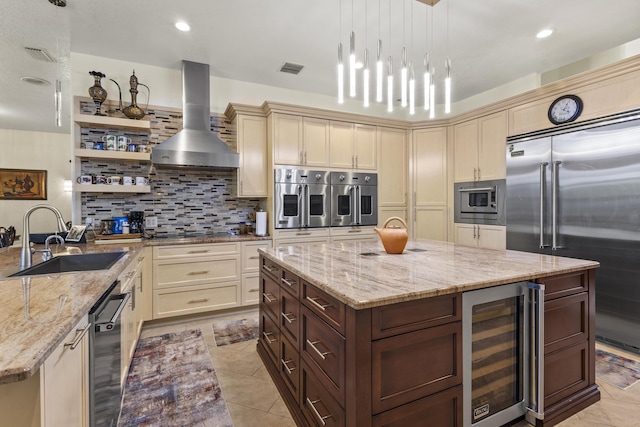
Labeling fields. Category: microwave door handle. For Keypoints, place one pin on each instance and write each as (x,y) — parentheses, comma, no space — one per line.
(535,407)
(554,206)
(468,190)
(543,180)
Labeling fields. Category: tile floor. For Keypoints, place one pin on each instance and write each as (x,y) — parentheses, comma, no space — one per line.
(253,400)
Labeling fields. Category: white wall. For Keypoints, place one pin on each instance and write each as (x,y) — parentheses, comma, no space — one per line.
(37,150)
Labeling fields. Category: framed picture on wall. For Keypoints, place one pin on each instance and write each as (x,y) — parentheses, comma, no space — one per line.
(23,184)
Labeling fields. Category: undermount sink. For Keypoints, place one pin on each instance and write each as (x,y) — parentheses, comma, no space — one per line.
(69,263)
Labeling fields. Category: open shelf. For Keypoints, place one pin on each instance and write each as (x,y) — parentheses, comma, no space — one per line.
(106,188)
(111,154)
(90,120)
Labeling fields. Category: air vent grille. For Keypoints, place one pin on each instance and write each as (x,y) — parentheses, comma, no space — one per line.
(40,54)
(291,68)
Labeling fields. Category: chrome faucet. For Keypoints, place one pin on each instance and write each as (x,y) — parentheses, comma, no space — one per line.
(46,252)
(27,251)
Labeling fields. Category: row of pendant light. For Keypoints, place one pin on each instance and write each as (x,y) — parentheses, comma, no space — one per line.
(407,72)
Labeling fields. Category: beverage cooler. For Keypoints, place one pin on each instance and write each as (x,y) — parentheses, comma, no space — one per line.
(503,368)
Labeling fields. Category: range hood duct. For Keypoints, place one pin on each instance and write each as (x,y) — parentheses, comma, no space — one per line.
(195,146)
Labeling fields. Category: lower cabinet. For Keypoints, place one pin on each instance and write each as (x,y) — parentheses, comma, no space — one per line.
(482,236)
(131,281)
(57,395)
(335,366)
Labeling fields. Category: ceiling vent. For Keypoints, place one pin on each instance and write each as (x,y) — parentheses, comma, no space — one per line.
(40,54)
(291,68)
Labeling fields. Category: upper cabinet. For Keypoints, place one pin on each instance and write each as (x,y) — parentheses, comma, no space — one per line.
(300,141)
(479,148)
(250,125)
(352,146)
(314,150)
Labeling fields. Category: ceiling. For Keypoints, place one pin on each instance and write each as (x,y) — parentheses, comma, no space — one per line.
(490,42)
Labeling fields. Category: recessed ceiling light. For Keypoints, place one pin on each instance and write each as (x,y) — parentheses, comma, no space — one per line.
(183,26)
(35,81)
(544,33)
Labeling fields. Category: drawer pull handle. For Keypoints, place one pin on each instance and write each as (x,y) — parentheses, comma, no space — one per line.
(140,259)
(288,282)
(354,231)
(268,297)
(254,290)
(194,273)
(201,251)
(266,337)
(196,301)
(254,257)
(317,304)
(269,269)
(315,411)
(287,317)
(285,363)
(303,234)
(80,333)
(313,346)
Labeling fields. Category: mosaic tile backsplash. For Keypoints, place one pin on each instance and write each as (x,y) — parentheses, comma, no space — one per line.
(183,201)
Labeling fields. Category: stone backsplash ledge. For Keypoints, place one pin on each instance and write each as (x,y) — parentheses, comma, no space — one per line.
(181,200)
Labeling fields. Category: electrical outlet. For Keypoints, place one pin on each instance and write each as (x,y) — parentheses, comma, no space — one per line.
(151,222)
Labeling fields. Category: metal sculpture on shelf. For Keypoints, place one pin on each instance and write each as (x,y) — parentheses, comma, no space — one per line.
(97,92)
(133,111)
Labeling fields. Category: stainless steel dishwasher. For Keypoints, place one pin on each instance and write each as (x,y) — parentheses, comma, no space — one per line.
(105,392)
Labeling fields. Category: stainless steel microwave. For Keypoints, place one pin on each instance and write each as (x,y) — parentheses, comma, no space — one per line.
(480,202)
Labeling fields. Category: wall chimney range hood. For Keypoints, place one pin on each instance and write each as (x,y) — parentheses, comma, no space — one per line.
(195,146)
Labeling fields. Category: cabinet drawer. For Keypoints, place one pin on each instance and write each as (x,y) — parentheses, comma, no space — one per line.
(317,404)
(410,316)
(324,305)
(250,289)
(189,251)
(442,409)
(269,268)
(290,367)
(290,282)
(179,273)
(269,337)
(290,317)
(566,321)
(566,284)
(324,350)
(414,365)
(251,257)
(195,299)
(566,372)
(270,296)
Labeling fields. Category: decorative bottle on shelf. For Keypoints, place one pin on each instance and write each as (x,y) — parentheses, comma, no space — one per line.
(97,92)
(133,111)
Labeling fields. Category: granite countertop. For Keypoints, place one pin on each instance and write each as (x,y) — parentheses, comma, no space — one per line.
(362,275)
(37,312)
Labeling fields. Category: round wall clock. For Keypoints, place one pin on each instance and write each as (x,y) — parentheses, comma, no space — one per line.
(565,109)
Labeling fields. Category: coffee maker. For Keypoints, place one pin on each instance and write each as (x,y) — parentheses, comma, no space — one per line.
(136,222)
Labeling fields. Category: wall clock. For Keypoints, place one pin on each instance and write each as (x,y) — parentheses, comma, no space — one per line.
(565,109)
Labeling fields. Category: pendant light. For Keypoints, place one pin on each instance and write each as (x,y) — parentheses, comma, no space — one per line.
(340,63)
(427,65)
(403,59)
(412,77)
(447,68)
(352,58)
(365,71)
(389,70)
(379,71)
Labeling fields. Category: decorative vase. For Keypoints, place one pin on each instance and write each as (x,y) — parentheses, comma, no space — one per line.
(394,239)
(97,92)
(133,111)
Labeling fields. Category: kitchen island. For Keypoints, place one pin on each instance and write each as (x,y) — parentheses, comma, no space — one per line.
(353,336)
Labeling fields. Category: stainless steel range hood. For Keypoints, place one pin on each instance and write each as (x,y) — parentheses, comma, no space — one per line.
(195,146)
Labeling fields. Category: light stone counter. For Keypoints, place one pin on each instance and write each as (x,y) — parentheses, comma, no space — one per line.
(37,312)
(437,268)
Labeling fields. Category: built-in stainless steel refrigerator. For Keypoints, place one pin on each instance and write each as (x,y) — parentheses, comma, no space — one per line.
(575,192)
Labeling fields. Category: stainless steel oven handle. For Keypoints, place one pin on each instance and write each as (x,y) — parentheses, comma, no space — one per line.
(107,326)
(301,204)
(468,190)
(543,180)
(358,203)
(535,406)
(554,207)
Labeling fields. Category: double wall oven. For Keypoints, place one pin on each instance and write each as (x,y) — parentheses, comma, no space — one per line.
(315,198)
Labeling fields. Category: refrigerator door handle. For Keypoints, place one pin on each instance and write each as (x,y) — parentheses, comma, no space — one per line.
(535,405)
(543,180)
(554,206)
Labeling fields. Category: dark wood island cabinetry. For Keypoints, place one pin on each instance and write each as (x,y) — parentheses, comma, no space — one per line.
(389,353)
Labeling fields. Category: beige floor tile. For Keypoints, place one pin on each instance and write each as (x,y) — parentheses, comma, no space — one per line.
(243,416)
(249,391)
(279,408)
(236,361)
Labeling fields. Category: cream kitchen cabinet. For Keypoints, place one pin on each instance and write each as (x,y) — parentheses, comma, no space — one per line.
(131,281)
(250,127)
(479,148)
(300,141)
(342,234)
(483,236)
(191,279)
(392,173)
(429,183)
(251,271)
(352,146)
(303,236)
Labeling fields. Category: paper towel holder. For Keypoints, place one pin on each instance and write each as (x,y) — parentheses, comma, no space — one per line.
(261,223)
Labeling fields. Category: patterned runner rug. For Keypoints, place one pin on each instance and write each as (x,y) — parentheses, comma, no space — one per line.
(617,370)
(171,382)
(233,331)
